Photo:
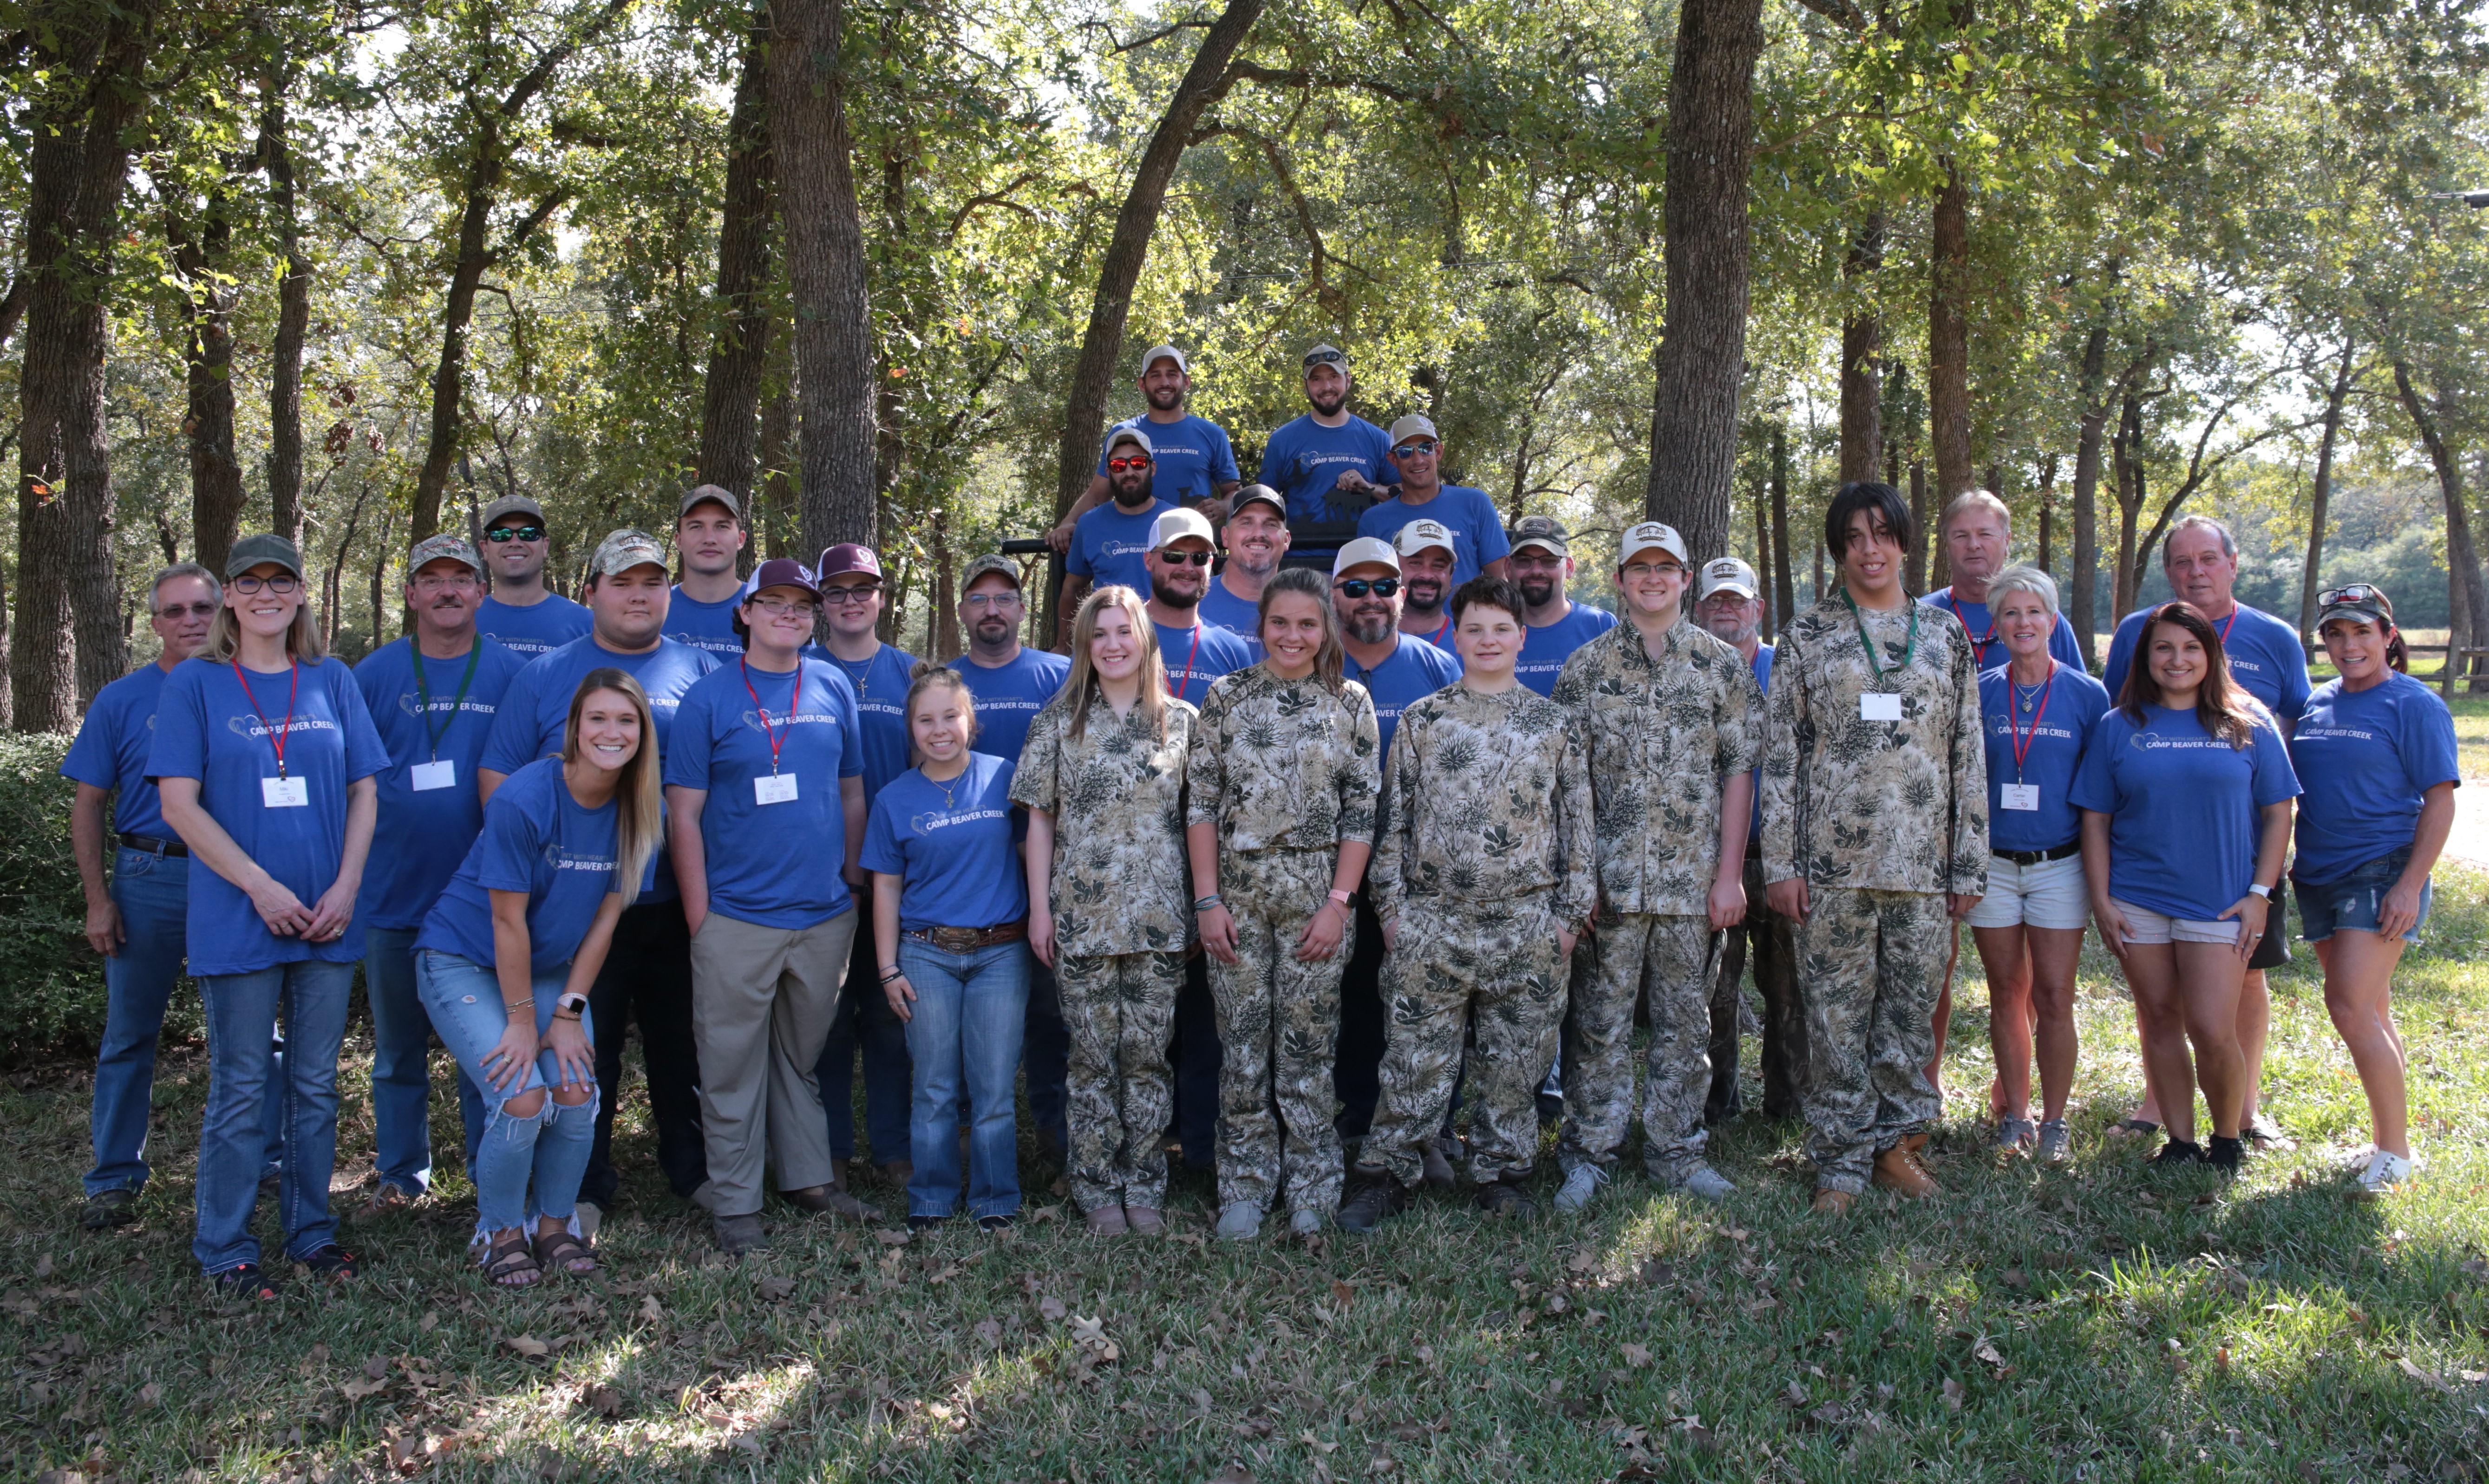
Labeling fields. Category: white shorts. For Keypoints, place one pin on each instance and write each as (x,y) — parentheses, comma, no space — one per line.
(2145,926)
(2048,894)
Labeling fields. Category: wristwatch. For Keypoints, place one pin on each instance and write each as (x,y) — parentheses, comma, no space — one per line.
(2261,890)
(570,1007)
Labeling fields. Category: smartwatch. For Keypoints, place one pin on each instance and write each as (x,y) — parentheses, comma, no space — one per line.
(2261,890)
(572,1005)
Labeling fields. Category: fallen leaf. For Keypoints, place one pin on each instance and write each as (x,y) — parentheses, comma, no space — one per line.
(1796,1394)
(1308,1438)
(2015,1277)
(529,1346)
(2404,1364)
(150,1393)
(1410,1432)
(775,1286)
(1951,1394)
(377,1367)
(603,1399)
(429,1323)
(1637,1356)
(1584,1261)
(890,1238)
(989,1330)
(651,1309)
(1986,1351)
(44,1265)
(1233,1473)
(1052,1308)
(1341,1294)
(356,1390)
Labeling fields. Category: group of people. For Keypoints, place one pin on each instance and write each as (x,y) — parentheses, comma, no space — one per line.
(1273,868)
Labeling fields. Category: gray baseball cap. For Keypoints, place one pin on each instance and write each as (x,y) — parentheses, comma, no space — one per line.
(710,494)
(1126,432)
(1158,352)
(622,550)
(508,505)
(267,546)
(1414,425)
(1258,494)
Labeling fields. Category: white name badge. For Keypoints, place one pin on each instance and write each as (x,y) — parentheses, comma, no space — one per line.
(428,776)
(774,789)
(284,793)
(2019,796)
(1880,706)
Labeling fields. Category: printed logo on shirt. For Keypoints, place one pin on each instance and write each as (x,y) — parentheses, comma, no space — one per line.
(253,726)
(411,704)
(752,719)
(936,819)
(521,645)
(708,642)
(2006,726)
(1112,547)
(561,859)
(2154,742)
(2309,733)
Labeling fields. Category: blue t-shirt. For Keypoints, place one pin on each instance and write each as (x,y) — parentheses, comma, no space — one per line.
(1981,625)
(1303,460)
(111,750)
(422,835)
(535,839)
(2182,805)
(708,626)
(1763,677)
(2053,734)
(539,628)
(1415,671)
(1237,615)
(1190,457)
(770,865)
(209,727)
(881,709)
(2364,758)
(951,847)
(1009,696)
(1478,532)
(1107,546)
(1544,650)
(2263,651)
(1196,656)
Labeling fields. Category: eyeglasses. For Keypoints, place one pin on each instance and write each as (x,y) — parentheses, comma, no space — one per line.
(193,611)
(435,582)
(1184,559)
(858,592)
(1359,586)
(1416,447)
(780,608)
(282,584)
(2351,592)
(501,533)
(1643,569)
(1120,466)
(985,600)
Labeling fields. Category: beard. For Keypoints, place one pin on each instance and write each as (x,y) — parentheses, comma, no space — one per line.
(1538,594)
(1166,399)
(993,629)
(1176,597)
(1136,498)
(1369,627)
(1329,405)
(1424,596)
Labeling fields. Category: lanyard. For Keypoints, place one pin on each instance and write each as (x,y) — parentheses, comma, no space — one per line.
(794,708)
(423,695)
(1174,688)
(1868,648)
(2021,742)
(1435,639)
(2231,624)
(276,739)
(1976,642)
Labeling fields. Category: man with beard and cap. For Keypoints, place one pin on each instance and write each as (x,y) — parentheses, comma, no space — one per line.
(1197,467)
(1977,534)
(1426,552)
(1730,604)
(1256,537)
(1013,683)
(1329,463)
(1416,453)
(1111,543)
(1542,563)
(433,694)
(521,615)
(708,540)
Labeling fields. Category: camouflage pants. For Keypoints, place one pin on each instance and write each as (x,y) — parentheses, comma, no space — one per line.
(1279,1018)
(1120,1012)
(1870,965)
(1670,962)
(1500,960)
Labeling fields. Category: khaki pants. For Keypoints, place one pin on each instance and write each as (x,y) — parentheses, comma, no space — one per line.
(762,1001)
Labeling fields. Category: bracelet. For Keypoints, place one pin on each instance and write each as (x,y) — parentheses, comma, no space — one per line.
(518,1005)
(1205,903)
(559,1016)
(893,972)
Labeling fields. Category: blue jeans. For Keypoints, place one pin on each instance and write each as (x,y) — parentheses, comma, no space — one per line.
(965,1037)
(402,1070)
(2356,898)
(530,1166)
(866,1024)
(242,1070)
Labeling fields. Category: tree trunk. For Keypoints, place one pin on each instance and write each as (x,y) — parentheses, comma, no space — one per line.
(380,584)
(2085,574)
(1914,566)
(1703,348)
(2319,495)
(1763,553)
(739,352)
(2048,513)
(206,311)
(1785,599)
(777,493)
(1949,339)
(2125,454)
(945,627)
(1862,342)
(2462,562)
(293,324)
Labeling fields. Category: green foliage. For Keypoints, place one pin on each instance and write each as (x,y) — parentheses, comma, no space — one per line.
(51,984)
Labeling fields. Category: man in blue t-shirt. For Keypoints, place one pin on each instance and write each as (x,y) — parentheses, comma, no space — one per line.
(1109,542)
(1478,543)
(1542,565)
(1256,538)
(1195,464)
(1977,534)
(521,615)
(1330,464)
(1427,550)
(433,696)
(709,541)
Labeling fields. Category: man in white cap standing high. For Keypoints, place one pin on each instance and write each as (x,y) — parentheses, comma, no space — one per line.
(1196,464)
(1328,463)
(1417,456)
(1542,563)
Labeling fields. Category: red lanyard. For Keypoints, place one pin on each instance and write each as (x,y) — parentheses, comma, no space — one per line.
(1173,688)
(769,729)
(1976,642)
(276,738)
(2022,743)
(1436,637)
(2232,623)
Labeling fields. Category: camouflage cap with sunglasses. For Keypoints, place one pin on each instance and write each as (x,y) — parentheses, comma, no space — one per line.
(2354,600)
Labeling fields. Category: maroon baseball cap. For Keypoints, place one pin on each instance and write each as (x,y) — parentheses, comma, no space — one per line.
(781,572)
(849,556)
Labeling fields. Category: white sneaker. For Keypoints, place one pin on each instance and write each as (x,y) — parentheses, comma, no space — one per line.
(1580,1186)
(589,1216)
(1305,1223)
(2384,1171)
(1707,1182)
(1241,1221)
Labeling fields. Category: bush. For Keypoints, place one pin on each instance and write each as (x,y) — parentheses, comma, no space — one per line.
(51,984)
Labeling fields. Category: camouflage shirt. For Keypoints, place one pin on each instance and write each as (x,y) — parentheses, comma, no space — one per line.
(1896,806)
(1119,884)
(1486,798)
(1284,764)
(1661,735)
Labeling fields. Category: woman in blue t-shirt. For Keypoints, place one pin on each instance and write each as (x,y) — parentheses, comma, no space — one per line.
(2375,751)
(2037,715)
(950,907)
(505,962)
(2185,793)
(264,761)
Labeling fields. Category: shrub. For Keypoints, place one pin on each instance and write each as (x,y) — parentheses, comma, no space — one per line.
(51,984)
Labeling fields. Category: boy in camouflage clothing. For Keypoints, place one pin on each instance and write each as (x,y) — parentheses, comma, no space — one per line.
(1671,720)
(1874,832)
(1484,878)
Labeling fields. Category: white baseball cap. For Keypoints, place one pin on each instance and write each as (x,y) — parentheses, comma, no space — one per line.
(1175,525)
(1365,551)
(1647,535)
(1126,433)
(1418,536)
(1414,425)
(1726,575)
(1157,353)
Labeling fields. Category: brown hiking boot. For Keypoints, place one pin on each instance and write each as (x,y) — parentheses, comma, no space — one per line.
(1829,1202)
(1898,1169)
(1108,1221)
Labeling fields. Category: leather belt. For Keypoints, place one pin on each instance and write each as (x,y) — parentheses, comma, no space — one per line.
(967,940)
(149,845)
(2035,856)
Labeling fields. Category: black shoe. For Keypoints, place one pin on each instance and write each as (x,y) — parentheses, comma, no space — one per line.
(332,1262)
(246,1282)
(2178,1151)
(106,1210)
(738,1235)
(995,1223)
(2225,1154)
(1503,1198)
(1378,1198)
(924,1223)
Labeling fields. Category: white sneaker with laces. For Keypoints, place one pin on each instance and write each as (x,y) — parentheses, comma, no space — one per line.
(2384,1171)
(1580,1186)
(1707,1182)
(1241,1221)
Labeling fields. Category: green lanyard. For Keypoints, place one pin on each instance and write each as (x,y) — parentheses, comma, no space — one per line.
(424,695)
(1866,646)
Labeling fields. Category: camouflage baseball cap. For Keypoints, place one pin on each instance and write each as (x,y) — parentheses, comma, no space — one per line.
(994,563)
(439,547)
(1544,531)
(622,550)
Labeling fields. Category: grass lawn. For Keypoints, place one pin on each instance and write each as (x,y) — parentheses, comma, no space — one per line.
(2095,1322)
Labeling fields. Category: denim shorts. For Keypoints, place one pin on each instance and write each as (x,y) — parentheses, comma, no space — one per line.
(2356,900)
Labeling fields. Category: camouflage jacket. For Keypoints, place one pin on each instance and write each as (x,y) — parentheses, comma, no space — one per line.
(1661,735)
(1284,764)
(1120,883)
(1486,798)
(1874,805)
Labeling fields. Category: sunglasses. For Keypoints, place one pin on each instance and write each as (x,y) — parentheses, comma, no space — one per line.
(501,533)
(193,611)
(1325,359)
(2351,592)
(280,585)
(1410,450)
(1185,558)
(1359,586)
(1119,465)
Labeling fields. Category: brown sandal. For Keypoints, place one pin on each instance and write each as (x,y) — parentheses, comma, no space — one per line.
(508,1263)
(566,1252)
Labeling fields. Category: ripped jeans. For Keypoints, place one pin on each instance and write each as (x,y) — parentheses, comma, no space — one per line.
(529,1165)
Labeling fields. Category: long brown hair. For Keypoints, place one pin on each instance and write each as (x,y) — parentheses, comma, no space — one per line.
(224,630)
(1331,659)
(1081,683)
(2221,706)
(638,814)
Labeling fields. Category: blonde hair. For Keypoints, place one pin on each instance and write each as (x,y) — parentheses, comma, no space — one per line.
(1084,677)
(927,676)
(224,630)
(640,815)
(1330,657)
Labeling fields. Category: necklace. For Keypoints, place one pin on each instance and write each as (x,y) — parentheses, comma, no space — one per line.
(2028,696)
(950,798)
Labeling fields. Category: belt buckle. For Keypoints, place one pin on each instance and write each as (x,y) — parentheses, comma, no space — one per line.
(955,940)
